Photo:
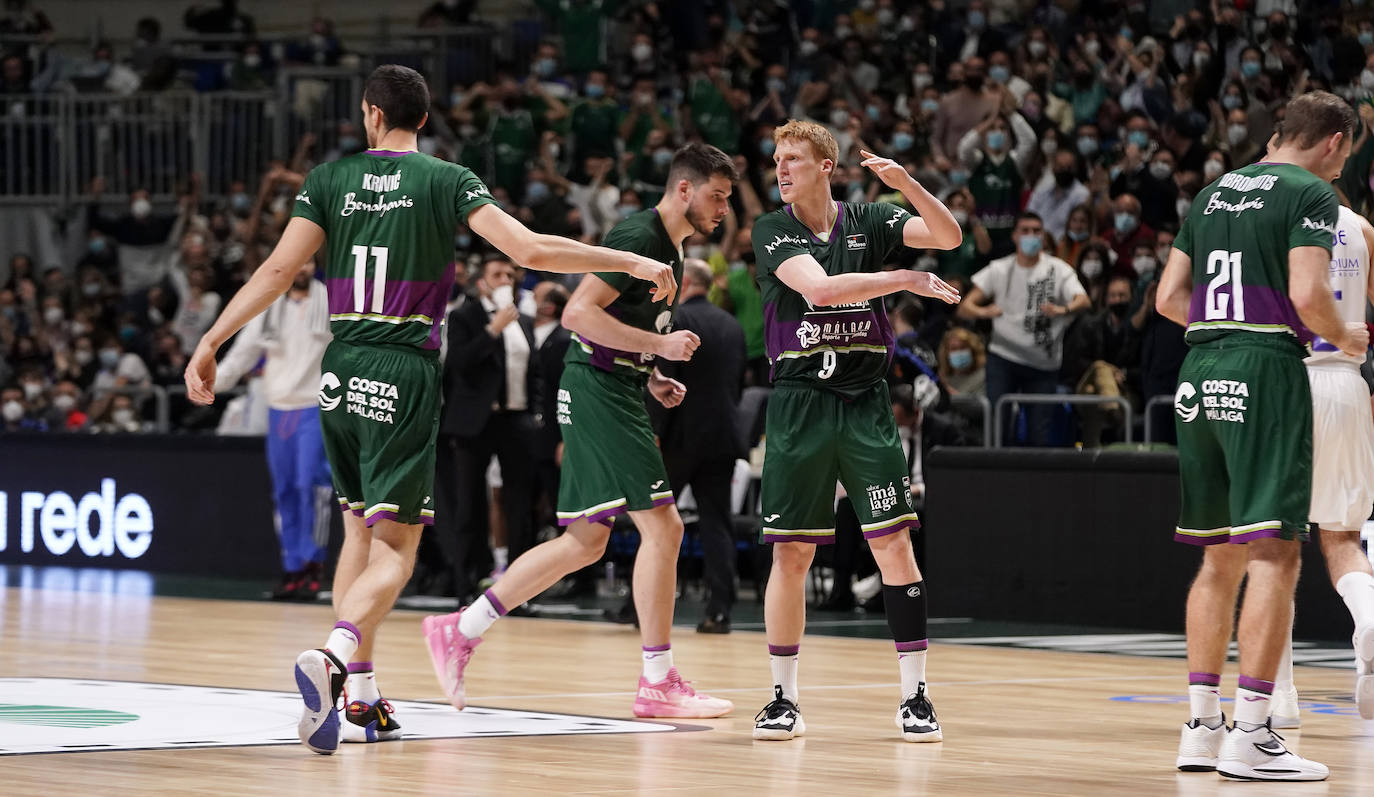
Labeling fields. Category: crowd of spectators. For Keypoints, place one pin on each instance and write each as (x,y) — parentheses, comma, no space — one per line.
(1101,119)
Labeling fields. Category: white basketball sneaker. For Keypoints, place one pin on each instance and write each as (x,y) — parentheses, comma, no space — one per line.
(1283,707)
(1364,671)
(1200,745)
(1260,755)
(780,720)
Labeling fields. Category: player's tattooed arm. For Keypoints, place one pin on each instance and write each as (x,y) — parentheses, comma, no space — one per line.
(564,255)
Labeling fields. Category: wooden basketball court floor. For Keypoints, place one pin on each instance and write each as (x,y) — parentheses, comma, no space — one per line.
(1016,721)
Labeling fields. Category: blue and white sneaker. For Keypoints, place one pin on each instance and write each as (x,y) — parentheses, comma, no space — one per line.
(369,722)
(320,676)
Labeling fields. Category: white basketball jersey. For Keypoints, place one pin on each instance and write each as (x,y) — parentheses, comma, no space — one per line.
(1349,278)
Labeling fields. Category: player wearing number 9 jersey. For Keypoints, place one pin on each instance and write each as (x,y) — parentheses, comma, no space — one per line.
(820,274)
(388,215)
(1248,276)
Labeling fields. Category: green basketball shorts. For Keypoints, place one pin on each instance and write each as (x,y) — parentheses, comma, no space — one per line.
(611,463)
(379,411)
(815,438)
(1243,411)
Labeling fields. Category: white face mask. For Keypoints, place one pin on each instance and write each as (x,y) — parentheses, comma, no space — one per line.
(32,390)
(502,296)
(12,411)
(1211,170)
(64,402)
(839,117)
(922,79)
(642,51)
(52,316)
(1236,134)
(1092,269)
(122,416)
(960,215)
(140,208)
(1145,266)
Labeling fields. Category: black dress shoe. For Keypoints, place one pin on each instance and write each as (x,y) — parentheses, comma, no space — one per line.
(714,624)
(837,602)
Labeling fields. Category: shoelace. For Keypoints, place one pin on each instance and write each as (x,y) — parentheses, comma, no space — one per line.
(776,709)
(683,686)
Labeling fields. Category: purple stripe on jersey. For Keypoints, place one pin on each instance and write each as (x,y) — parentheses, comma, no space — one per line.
(603,357)
(901,525)
(387,514)
(814,539)
(829,326)
(1263,305)
(400,298)
(391,153)
(834,231)
(445,288)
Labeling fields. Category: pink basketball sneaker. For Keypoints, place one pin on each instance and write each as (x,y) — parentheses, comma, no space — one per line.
(449,652)
(674,697)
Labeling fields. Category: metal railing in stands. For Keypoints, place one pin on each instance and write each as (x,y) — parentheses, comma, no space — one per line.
(1155,401)
(1056,398)
(985,410)
(162,412)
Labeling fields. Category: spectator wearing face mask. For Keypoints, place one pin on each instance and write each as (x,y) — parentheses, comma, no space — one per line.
(1101,355)
(1127,228)
(146,242)
(1055,199)
(1030,297)
(119,416)
(15,413)
(65,414)
(1150,178)
(962,361)
(995,153)
(961,110)
(1231,134)
(1079,232)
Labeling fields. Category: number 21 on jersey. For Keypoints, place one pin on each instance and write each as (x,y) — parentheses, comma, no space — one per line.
(360,278)
(1223,302)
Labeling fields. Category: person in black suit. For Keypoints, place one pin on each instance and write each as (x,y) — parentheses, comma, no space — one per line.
(492,389)
(701,438)
(551,341)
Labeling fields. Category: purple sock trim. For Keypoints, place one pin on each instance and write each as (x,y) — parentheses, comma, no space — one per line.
(656,648)
(912,647)
(359,666)
(1204,679)
(783,650)
(495,603)
(350,628)
(1256,685)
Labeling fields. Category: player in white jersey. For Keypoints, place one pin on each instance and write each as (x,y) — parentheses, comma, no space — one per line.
(1342,465)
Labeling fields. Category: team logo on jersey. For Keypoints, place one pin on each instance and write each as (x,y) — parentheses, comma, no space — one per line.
(881,499)
(303,197)
(1186,392)
(381,207)
(906,487)
(1326,226)
(779,240)
(664,322)
(896,217)
(809,334)
(476,192)
(856,242)
(1224,400)
(329,382)
(373,400)
(564,408)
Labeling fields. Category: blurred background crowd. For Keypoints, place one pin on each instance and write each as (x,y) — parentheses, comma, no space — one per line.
(1055,130)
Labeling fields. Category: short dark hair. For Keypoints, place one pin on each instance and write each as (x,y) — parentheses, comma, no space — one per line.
(557,296)
(1316,115)
(401,93)
(698,162)
(1028,215)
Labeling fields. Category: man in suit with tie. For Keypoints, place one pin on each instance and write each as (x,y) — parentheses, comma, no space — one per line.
(701,438)
(492,388)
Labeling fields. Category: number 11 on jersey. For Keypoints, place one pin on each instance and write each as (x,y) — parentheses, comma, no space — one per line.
(360,278)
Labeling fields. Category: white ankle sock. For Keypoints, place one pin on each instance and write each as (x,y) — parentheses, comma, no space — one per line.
(784,666)
(913,668)
(362,686)
(1357,590)
(478,617)
(343,643)
(658,660)
(1204,701)
(1252,708)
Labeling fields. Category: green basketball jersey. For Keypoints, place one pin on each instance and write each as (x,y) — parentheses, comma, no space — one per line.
(844,349)
(388,219)
(1238,234)
(644,234)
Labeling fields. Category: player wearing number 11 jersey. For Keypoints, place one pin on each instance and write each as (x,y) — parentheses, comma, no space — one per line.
(1248,276)
(820,273)
(389,216)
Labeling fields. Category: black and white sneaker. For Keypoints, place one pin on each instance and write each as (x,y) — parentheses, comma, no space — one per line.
(780,720)
(1259,754)
(916,718)
(369,722)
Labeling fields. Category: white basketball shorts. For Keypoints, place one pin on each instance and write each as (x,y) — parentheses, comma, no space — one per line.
(1342,447)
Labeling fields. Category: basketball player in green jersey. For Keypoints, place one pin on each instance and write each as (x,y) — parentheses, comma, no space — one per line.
(611,461)
(388,215)
(1249,278)
(820,266)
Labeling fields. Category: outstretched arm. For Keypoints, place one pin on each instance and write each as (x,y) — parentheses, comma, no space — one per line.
(298,243)
(936,227)
(804,275)
(564,255)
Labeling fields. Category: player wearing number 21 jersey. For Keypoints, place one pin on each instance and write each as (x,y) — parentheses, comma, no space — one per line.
(830,416)
(388,215)
(1249,277)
